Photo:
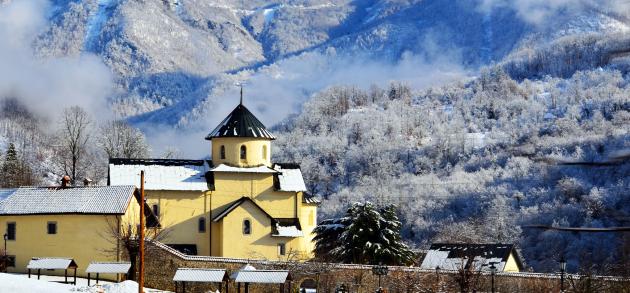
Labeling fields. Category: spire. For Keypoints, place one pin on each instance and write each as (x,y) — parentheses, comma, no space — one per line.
(240,123)
(241,94)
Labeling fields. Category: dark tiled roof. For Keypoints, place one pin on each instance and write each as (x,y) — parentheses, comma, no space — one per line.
(234,205)
(240,123)
(309,198)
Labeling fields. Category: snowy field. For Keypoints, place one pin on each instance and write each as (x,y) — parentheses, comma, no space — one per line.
(49,284)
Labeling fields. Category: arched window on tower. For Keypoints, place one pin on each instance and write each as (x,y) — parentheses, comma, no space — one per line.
(264,152)
(202,225)
(222,152)
(243,152)
(247,227)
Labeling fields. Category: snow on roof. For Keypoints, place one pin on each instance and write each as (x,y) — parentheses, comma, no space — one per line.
(160,174)
(51,263)
(458,256)
(290,179)
(260,276)
(199,275)
(108,267)
(287,231)
(84,200)
(259,169)
(4,193)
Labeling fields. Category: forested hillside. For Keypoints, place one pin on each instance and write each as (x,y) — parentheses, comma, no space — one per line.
(473,161)
(483,116)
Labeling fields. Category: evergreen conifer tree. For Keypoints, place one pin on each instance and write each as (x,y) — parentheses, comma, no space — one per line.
(327,235)
(365,235)
(14,172)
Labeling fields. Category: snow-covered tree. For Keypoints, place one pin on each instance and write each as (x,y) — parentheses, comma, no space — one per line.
(14,171)
(366,235)
(121,140)
(72,142)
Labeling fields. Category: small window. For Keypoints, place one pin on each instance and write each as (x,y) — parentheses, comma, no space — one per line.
(10,261)
(222,152)
(202,225)
(311,218)
(156,210)
(52,227)
(247,227)
(243,152)
(282,249)
(11,231)
(264,152)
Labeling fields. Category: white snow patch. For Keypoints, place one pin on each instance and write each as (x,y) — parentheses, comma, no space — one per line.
(269,14)
(159,177)
(49,284)
(259,169)
(288,231)
(290,179)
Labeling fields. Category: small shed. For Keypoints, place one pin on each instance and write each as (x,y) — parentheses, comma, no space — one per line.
(107,268)
(53,263)
(250,275)
(455,256)
(183,275)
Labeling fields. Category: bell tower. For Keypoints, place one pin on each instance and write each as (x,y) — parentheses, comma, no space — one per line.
(241,140)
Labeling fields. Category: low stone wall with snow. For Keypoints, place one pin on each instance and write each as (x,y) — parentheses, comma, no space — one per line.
(162,262)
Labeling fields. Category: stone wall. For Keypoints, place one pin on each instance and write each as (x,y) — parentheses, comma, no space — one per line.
(162,262)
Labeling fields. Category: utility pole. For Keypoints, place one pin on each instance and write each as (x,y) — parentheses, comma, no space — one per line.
(141,237)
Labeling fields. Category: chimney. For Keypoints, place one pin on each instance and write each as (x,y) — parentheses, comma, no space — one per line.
(87,181)
(65,181)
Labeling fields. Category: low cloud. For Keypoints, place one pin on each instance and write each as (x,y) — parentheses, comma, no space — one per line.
(46,85)
(538,12)
(277,91)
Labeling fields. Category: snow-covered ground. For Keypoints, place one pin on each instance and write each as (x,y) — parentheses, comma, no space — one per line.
(49,284)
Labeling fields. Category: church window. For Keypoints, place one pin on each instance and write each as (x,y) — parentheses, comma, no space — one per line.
(311,218)
(243,152)
(247,227)
(282,249)
(264,152)
(52,227)
(202,225)
(222,152)
(11,231)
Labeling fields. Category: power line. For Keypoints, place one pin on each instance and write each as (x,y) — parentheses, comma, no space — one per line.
(579,229)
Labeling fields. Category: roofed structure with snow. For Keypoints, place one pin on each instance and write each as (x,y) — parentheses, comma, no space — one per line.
(160,174)
(505,257)
(238,191)
(73,200)
(240,123)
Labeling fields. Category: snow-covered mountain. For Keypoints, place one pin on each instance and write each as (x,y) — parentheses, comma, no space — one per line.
(173,60)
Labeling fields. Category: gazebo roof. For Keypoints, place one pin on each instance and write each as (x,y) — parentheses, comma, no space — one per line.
(52,263)
(199,275)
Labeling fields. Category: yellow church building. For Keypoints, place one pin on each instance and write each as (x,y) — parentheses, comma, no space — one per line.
(239,204)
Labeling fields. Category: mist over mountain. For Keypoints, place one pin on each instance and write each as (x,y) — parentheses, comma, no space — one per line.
(174,63)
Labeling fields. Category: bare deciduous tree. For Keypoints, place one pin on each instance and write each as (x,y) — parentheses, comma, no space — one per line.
(125,236)
(73,138)
(120,140)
